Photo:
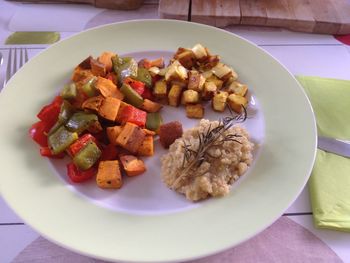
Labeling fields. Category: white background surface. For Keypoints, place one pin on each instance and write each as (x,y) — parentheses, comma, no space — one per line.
(302,54)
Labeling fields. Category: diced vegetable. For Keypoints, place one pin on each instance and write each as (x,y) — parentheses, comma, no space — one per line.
(132,165)
(160,89)
(95,127)
(195,81)
(221,70)
(199,52)
(80,74)
(147,147)
(218,82)
(195,111)
(108,89)
(106,59)
(191,96)
(236,102)
(49,113)
(209,90)
(169,132)
(109,108)
(124,67)
(78,176)
(174,95)
(66,112)
(219,101)
(144,76)
(176,72)
(85,64)
(109,152)
(131,95)
(133,115)
(151,106)
(108,175)
(69,91)
(138,86)
(97,68)
(80,121)
(131,137)
(93,103)
(238,88)
(113,133)
(154,120)
(185,57)
(75,147)
(61,139)
(46,152)
(87,156)
(89,87)
(38,132)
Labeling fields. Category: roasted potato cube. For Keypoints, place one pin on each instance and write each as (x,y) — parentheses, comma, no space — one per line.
(191,96)
(169,132)
(182,101)
(160,89)
(195,81)
(109,108)
(176,72)
(195,111)
(236,102)
(185,57)
(219,101)
(93,103)
(221,70)
(147,147)
(174,95)
(97,68)
(108,175)
(131,137)
(210,62)
(154,71)
(238,88)
(113,133)
(132,165)
(200,52)
(151,106)
(108,89)
(218,82)
(209,90)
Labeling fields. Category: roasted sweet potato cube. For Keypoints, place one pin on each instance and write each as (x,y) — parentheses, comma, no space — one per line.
(151,106)
(160,89)
(109,175)
(97,68)
(106,59)
(209,90)
(85,64)
(169,132)
(236,102)
(80,74)
(191,96)
(195,111)
(195,81)
(108,89)
(131,137)
(132,165)
(93,103)
(219,101)
(147,147)
(113,133)
(109,108)
(174,95)
(120,112)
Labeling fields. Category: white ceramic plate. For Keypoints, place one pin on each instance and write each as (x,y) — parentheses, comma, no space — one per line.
(145,221)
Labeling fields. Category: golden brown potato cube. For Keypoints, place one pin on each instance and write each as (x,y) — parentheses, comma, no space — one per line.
(238,88)
(219,101)
(108,175)
(93,103)
(191,96)
(160,89)
(174,95)
(209,90)
(109,108)
(221,70)
(200,52)
(151,106)
(182,101)
(236,102)
(97,68)
(132,165)
(185,57)
(113,133)
(195,111)
(218,82)
(176,72)
(147,147)
(131,137)
(195,81)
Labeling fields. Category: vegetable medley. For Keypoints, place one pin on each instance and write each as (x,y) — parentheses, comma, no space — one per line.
(106,118)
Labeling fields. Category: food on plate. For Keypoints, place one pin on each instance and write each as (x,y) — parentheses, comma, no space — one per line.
(207,159)
(105,119)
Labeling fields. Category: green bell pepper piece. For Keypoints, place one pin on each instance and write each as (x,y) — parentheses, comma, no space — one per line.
(124,67)
(153,121)
(69,91)
(131,96)
(80,121)
(66,112)
(60,139)
(87,156)
(144,76)
(89,87)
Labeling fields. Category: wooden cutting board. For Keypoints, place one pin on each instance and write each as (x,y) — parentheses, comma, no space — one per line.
(312,16)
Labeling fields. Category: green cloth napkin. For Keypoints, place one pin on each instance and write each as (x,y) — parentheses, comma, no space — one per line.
(23,38)
(329,183)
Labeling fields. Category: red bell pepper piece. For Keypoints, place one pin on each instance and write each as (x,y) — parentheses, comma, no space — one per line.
(133,115)
(75,147)
(49,113)
(38,132)
(109,153)
(78,176)
(45,151)
(138,86)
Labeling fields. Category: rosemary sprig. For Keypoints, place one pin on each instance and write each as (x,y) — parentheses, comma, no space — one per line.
(211,137)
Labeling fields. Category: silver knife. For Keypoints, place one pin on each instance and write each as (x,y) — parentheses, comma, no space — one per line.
(340,147)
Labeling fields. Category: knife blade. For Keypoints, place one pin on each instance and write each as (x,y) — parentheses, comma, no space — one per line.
(340,147)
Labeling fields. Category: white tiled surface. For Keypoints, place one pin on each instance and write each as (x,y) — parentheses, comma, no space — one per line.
(302,54)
